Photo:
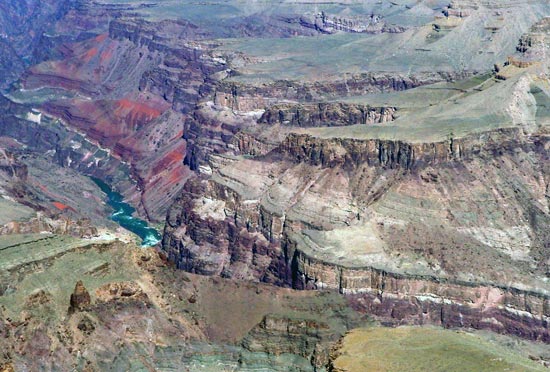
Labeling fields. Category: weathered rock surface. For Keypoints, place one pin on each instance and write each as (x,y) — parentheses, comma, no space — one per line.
(372,161)
(80,298)
(327,23)
(135,311)
(22,25)
(30,205)
(325,211)
(249,97)
(326,114)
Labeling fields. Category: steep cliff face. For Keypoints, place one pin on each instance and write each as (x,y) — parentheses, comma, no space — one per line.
(249,97)
(329,23)
(22,24)
(326,114)
(227,124)
(314,211)
(143,83)
(135,86)
(406,299)
(357,199)
(308,338)
(352,153)
(355,170)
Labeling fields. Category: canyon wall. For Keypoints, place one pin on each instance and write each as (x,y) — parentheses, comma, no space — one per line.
(254,220)
(326,114)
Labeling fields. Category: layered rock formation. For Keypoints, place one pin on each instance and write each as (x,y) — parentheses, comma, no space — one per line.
(136,311)
(394,224)
(22,25)
(327,23)
(245,98)
(313,227)
(373,163)
(138,108)
(326,114)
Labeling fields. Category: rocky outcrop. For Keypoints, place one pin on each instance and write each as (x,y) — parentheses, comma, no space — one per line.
(403,299)
(460,9)
(253,255)
(281,218)
(80,298)
(329,24)
(81,228)
(8,367)
(159,36)
(308,338)
(326,114)
(249,144)
(531,48)
(401,228)
(206,135)
(329,152)
(12,167)
(242,97)
(120,291)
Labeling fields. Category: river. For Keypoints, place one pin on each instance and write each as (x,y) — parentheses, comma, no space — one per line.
(123,215)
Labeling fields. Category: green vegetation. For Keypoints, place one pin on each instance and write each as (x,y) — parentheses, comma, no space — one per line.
(12,211)
(411,349)
(53,264)
(19,250)
(434,112)
(334,56)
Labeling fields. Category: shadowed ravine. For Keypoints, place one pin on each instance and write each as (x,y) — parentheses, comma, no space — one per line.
(123,216)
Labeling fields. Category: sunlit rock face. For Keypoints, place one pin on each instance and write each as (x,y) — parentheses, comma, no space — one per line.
(440,195)
(313,167)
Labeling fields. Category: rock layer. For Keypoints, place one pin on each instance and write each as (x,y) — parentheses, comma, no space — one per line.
(326,114)
(283,218)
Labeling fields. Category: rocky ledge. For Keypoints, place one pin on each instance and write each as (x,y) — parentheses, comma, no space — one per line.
(326,114)
(385,223)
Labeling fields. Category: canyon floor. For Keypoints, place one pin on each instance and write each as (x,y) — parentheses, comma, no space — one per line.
(339,186)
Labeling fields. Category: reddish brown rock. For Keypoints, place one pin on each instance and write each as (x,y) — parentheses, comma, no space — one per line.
(80,298)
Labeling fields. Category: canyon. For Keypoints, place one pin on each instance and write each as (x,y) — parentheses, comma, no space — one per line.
(323,175)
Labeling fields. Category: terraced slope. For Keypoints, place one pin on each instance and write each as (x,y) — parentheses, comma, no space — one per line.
(411,217)
(132,310)
(384,159)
